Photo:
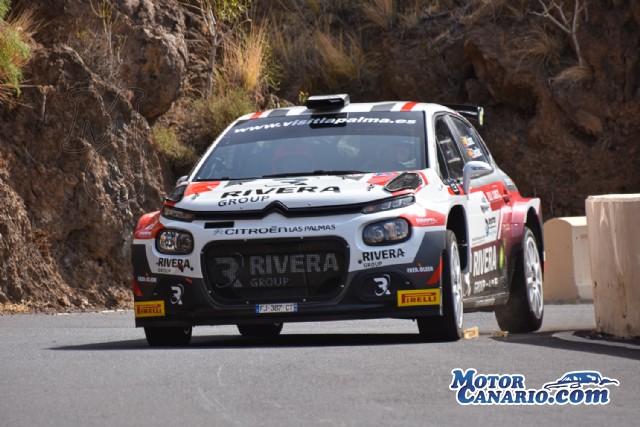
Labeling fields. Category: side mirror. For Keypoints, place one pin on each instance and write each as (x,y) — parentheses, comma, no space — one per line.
(181,180)
(474,169)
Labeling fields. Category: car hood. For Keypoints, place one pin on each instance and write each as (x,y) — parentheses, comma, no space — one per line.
(298,192)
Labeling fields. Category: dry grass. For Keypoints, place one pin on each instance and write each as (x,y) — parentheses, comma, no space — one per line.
(574,76)
(411,14)
(537,45)
(292,51)
(245,62)
(342,58)
(380,13)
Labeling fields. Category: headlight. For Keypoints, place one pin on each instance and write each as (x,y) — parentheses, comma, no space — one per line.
(396,203)
(174,242)
(177,214)
(386,232)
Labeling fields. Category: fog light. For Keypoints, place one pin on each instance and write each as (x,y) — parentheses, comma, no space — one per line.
(386,232)
(174,242)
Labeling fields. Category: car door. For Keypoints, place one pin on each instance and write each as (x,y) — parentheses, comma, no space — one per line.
(487,213)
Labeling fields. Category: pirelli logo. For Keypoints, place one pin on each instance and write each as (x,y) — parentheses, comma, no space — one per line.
(149,308)
(419,297)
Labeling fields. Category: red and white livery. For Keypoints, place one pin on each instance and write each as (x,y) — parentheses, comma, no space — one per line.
(337,210)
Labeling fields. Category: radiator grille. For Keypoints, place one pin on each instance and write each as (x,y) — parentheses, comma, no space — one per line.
(270,270)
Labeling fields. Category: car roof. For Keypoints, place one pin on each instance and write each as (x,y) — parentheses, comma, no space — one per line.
(429,108)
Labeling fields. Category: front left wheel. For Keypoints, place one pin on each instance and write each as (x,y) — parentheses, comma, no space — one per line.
(525,309)
(447,327)
(174,336)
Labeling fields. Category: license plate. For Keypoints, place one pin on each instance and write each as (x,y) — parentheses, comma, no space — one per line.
(276,308)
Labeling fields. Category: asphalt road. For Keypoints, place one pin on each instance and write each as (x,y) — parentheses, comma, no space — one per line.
(96,370)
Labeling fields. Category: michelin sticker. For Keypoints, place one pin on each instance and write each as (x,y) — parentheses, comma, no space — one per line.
(574,388)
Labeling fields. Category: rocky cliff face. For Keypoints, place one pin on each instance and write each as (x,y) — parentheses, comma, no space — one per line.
(78,164)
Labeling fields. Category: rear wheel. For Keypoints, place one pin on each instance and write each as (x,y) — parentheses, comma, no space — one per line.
(525,309)
(174,336)
(447,327)
(272,330)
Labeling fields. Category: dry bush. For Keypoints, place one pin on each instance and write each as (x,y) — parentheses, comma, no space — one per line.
(97,41)
(569,24)
(537,45)
(479,11)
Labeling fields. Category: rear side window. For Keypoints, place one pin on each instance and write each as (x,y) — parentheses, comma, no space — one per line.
(471,144)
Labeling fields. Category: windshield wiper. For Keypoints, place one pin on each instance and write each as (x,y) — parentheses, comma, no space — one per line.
(228,178)
(337,172)
(315,172)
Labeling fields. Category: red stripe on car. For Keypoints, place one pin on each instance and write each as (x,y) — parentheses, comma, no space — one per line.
(436,275)
(201,187)
(148,226)
(408,106)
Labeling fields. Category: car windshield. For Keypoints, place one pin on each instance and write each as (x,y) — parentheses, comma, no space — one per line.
(330,144)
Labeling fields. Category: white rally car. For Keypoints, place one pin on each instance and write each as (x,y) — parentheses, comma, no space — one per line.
(337,210)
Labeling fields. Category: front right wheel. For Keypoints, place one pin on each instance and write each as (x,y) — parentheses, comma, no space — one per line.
(525,308)
(447,327)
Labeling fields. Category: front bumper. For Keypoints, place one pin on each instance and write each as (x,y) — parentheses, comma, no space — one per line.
(227,287)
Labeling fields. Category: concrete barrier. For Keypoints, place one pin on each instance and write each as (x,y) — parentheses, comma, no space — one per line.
(567,276)
(613,223)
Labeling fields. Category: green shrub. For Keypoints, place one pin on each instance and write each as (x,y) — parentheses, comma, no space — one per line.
(4,7)
(169,143)
(213,115)
(14,49)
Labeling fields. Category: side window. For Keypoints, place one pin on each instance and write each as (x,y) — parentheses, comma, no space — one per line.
(470,142)
(450,160)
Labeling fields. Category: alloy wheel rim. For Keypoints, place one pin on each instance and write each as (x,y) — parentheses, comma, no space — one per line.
(456,285)
(533,277)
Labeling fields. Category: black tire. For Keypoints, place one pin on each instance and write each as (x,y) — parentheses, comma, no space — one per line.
(174,336)
(254,331)
(525,309)
(447,327)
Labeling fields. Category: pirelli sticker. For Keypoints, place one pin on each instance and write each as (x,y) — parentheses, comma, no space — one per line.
(418,297)
(149,308)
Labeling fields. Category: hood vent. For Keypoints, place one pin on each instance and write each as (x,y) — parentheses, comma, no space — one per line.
(404,181)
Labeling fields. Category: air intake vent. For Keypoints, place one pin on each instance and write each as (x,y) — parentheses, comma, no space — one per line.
(404,181)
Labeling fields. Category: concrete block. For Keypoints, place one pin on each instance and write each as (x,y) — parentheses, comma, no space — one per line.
(567,276)
(613,223)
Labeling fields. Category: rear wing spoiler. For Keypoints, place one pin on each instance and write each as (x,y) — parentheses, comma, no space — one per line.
(468,111)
